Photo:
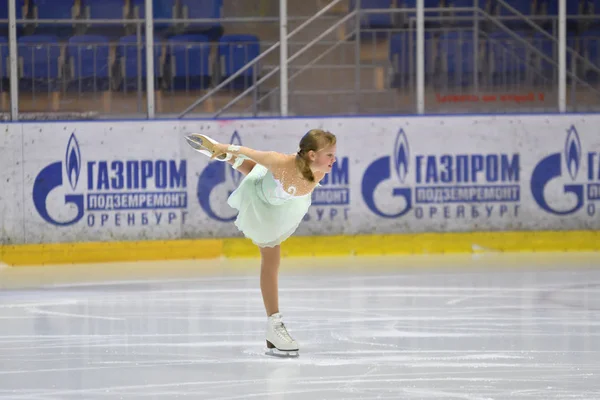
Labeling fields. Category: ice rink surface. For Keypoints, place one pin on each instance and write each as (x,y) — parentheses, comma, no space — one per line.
(425,327)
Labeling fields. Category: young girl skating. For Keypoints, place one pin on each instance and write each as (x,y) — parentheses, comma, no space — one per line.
(272,200)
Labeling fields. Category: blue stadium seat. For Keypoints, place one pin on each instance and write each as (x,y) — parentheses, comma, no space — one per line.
(523,6)
(592,8)
(40,61)
(590,46)
(467,3)
(3,57)
(105,9)
(464,4)
(546,70)
(508,58)
(4,9)
(467,17)
(163,9)
(88,57)
(189,61)
(4,66)
(235,51)
(203,9)
(20,9)
(375,21)
(402,53)
(401,59)
(457,52)
(573,7)
(54,9)
(406,16)
(127,60)
(512,20)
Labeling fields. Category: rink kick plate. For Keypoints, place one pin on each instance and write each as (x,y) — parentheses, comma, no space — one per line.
(303,246)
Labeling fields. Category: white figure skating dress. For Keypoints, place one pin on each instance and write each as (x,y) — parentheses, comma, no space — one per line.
(268,214)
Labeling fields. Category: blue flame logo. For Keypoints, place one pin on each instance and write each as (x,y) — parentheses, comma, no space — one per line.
(235,175)
(401,156)
(573,152)
(73,161)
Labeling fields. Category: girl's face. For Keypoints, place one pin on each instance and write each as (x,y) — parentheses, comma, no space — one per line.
(323,159)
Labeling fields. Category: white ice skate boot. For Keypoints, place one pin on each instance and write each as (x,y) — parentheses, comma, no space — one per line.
(279,341)
(205,145)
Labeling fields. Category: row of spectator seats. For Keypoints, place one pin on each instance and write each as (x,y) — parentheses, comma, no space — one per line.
(450,56)
(184,61)
(529,8)
(116,10)
(85,62)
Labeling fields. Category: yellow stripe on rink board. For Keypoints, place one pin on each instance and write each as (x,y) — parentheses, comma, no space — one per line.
(302,246)
(94,252)
(426,243)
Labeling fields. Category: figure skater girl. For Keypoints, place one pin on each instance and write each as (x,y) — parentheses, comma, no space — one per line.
(272,200)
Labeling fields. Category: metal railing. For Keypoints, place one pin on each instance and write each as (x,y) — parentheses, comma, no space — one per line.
(327,76)
(313,63)
(256,60)
(495,80)
(73,92)
(118,99)
(278,68)
(519,80)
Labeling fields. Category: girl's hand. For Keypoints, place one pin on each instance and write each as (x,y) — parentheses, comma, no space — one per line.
(219,149)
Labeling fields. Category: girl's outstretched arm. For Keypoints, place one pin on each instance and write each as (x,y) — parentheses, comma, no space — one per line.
(267,159)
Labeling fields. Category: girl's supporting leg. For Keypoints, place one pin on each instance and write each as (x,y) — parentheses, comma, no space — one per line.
(269,274)
(279,340)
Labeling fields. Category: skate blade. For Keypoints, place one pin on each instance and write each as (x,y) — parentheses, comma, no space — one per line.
(196,144)
(282,353)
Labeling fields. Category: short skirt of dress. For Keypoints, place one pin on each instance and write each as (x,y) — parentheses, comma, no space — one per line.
(267,225)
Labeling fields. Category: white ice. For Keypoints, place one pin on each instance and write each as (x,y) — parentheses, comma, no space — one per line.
(422,327)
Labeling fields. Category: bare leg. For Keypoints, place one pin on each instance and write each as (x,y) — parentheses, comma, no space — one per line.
(246,166)
(269,271)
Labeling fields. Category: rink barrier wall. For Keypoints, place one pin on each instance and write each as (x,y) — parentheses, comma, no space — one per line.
(130,190)
(359,245)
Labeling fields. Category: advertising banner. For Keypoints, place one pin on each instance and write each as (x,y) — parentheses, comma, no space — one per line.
(104,181)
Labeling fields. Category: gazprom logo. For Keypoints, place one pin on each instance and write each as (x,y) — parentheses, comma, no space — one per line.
(550,169)
(398,199)
(573,152)
(51,178)
(401,156)
(73,161)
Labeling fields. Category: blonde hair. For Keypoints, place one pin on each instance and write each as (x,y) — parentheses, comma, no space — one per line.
(313,140)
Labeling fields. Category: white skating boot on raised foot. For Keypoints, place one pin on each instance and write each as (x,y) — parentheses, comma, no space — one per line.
(205,145)
(279,341)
